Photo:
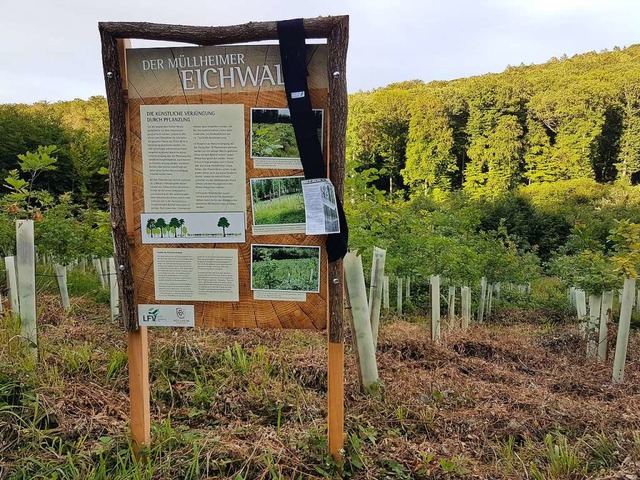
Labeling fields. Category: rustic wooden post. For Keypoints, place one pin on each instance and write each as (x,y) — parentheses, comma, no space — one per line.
(408,288)
(26,257)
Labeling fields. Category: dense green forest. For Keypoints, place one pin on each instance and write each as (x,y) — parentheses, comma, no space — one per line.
(503,175)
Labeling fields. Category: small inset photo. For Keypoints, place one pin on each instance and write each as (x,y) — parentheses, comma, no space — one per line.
(286,268)
(273,141)
(277,205)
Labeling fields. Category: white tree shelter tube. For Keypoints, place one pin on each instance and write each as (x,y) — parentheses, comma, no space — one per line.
(61,277)
(581,308)
(399,297)
(375,290)
(113,289)
(435,307)
(595,302)
(363,337)
(605,318)
(26,257)
(385,292)
(623,329)
(465,299)
(12,283)
(483,296)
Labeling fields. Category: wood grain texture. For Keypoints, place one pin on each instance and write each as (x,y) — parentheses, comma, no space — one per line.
(320,27)
(247,312)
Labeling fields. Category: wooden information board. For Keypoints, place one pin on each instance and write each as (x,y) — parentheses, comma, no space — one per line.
(196,157)
(249,77)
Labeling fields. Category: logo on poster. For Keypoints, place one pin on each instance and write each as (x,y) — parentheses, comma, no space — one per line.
(180,313)
(152,315)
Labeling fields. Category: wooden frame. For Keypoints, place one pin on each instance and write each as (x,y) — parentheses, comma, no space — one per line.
(114,38)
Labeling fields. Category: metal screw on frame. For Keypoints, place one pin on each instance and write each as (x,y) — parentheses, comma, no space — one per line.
(109,74)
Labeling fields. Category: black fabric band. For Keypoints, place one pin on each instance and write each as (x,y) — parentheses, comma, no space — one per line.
(293,52)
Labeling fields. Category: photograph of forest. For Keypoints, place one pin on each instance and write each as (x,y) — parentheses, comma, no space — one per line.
(285,268)
(277,201)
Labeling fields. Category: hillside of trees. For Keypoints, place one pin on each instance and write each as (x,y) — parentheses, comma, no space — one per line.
(569,118)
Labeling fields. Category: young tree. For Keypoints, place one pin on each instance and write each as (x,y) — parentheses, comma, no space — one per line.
(151,224)
(224,224)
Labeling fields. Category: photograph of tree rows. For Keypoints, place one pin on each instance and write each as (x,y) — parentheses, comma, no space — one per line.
(277,201)
(272,134)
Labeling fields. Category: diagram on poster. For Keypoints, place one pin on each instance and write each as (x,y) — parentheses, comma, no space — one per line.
(193,158)
(273,141)
(277,205)
(159,228)
(199,274)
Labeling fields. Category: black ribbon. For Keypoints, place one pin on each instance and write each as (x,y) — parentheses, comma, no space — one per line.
(293,52)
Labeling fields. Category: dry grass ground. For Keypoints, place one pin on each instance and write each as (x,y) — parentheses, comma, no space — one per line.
(510,400)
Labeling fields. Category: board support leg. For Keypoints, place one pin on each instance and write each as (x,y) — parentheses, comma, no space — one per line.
(335,399)
(138,347)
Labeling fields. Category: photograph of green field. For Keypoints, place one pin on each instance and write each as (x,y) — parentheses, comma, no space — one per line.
(285,268)
(272,134)
(277,201)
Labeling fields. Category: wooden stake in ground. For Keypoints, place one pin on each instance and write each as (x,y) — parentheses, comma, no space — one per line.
(465,300)
(483,296)
(26,257)
(605,318)
(363,335)
(61,277)
(12,283)
(375,290)
(434,281)
(399,296)
(623,329)
(408,288)
(595,302)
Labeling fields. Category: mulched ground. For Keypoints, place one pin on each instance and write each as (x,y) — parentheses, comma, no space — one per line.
(477,405)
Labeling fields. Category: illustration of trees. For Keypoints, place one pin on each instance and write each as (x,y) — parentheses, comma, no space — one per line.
(175,224)
(161,224)
(151,224)
(224,224)
(182,229)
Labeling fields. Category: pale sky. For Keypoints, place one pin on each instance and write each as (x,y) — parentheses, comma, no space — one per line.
(50,49)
